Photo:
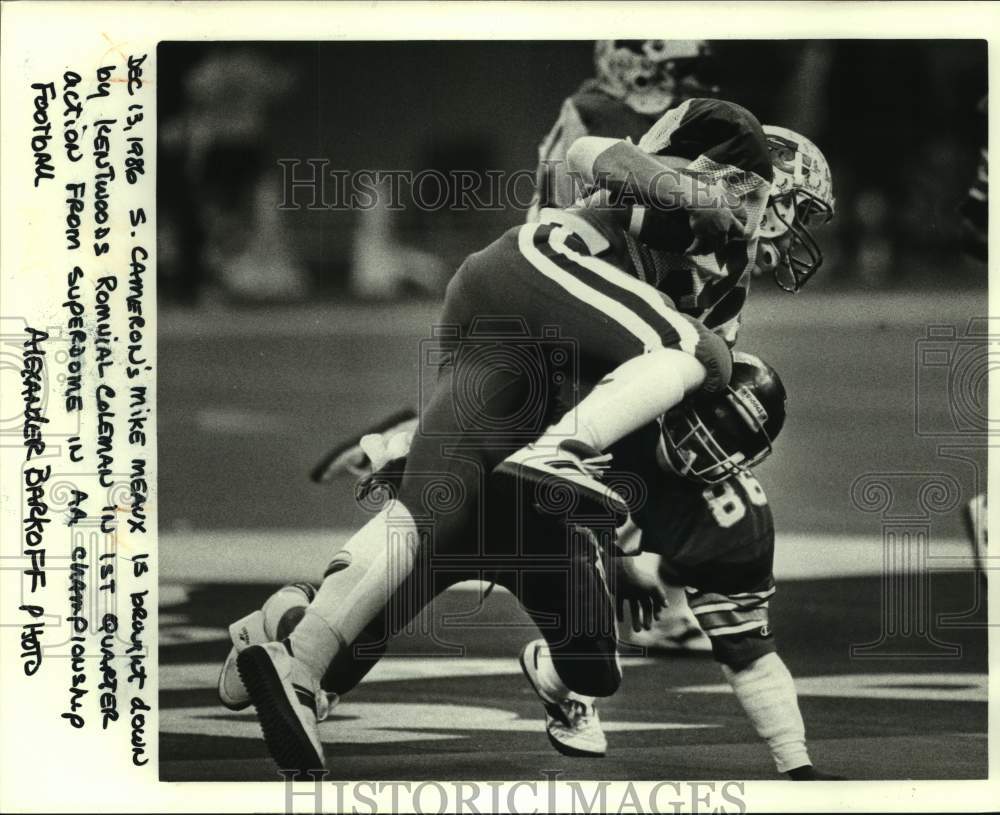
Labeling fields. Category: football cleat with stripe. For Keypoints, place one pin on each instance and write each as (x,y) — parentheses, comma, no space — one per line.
(571,467)
(572,724)
(289,702)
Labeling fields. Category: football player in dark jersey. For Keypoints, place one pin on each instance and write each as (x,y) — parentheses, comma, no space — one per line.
(707,519)
(799,198)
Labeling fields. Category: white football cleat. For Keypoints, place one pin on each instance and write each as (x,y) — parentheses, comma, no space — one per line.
(549,469)
(275,621)
(572,723)
(290,704)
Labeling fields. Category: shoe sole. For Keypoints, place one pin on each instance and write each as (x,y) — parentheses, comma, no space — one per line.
(572,752)
(566,750)
(236,707)
(591,503)
(286,739)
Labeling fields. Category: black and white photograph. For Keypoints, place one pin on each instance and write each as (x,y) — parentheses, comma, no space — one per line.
(610,408)
(497,407)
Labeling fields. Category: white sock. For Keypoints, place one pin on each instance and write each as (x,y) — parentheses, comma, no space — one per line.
(378,558)
(548,676)
(632,395)
(551,683)
(767,693)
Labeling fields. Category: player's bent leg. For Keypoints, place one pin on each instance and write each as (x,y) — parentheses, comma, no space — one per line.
(578,659)
(634,394)
(765,690)
(351,664)
(373,564)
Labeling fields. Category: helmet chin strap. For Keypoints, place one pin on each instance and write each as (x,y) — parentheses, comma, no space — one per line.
(768,257)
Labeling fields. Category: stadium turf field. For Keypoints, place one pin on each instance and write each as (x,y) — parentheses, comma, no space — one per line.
(883,390)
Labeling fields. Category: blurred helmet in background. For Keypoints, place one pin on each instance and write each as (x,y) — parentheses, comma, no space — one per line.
(651,76)
(801,198)
(715,437)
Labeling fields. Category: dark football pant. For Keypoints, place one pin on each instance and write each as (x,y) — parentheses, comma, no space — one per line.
(559,582)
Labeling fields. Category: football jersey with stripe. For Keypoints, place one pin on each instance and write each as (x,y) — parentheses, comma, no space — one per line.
(725,144)
(717,541)
(720,543)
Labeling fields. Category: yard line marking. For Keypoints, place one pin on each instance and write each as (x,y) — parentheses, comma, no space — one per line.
(192,676)
(936,687)
(388,722)
(288,555)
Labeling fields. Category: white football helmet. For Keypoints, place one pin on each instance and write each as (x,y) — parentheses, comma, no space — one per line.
(801,197)
(651,76)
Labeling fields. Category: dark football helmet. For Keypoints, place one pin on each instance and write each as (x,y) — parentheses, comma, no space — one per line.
(715,437)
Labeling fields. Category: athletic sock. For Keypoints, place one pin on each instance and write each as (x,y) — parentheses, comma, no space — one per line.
(766,691)
(362,577)
(548,677)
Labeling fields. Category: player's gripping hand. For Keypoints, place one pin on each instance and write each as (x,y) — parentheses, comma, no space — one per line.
(638,587)
(714,227)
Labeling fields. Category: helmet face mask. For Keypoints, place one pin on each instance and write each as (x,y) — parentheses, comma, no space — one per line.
(789,250)
(715,438)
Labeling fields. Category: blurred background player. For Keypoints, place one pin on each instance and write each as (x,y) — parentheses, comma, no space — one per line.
(636,81)
(975,212)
